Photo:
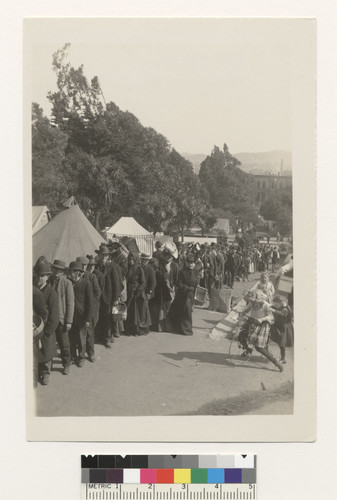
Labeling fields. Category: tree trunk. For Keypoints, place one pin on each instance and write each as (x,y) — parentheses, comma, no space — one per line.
(97,215)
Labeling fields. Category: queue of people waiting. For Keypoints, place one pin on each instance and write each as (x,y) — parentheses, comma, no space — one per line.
(77,305)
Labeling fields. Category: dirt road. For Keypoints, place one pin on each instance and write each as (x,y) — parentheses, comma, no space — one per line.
(160,374)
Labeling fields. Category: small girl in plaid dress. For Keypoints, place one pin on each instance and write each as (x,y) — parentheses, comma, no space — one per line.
(256,329)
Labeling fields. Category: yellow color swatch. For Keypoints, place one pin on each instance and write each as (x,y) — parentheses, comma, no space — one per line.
(182,476)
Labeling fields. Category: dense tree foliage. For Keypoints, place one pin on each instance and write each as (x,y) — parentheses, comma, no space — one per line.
(111,163)
(279,209)
(229,188)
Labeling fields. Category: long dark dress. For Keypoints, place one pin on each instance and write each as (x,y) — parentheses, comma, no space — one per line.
(138,314)
(181,309)
(161,296)
(283,330)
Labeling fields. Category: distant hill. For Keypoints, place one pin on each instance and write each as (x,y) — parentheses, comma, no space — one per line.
(254,163)
(261,163)
(195,159)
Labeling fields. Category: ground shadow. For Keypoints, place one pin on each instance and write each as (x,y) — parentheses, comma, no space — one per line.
(219,358)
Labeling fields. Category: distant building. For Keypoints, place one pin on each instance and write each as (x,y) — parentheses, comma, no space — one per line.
(267,185)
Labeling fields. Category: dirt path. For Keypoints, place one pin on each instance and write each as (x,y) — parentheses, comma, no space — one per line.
(160,374)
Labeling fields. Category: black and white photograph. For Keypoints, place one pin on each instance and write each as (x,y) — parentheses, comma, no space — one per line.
(168,262)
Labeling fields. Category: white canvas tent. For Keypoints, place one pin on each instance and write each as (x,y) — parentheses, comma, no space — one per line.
(128,226)
(40,217)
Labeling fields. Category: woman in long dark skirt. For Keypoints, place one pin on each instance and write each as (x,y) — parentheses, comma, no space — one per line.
(138,313)
(283,329)
(181,309)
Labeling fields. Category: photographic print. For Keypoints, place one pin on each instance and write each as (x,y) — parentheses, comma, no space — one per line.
(169,171)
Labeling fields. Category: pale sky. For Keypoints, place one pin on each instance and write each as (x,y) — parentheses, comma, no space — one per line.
(197,82)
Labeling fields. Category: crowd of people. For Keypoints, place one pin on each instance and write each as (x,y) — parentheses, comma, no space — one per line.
(121,292)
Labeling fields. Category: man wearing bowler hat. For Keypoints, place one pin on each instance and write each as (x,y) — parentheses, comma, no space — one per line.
(65,292)
(48,341)
(150,279)
(81,333)
(110,280)
(91,276)
(119,258)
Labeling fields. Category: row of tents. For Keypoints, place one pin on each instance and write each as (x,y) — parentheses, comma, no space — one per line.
(70,234)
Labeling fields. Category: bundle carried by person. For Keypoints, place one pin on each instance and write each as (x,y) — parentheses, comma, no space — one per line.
(119,312)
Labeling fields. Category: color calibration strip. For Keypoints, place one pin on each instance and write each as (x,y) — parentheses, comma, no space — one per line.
(169,469)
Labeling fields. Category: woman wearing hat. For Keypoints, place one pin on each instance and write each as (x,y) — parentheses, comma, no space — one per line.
(282,329)
(181,309)
(169,270)
(138,314)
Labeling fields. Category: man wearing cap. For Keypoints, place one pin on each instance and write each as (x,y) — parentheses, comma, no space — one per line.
(150,278)
(65,293)
(81,333)
(110,280)
(48,341)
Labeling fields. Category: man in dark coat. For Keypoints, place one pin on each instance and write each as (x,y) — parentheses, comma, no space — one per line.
(120,259)
(48,340)
(110,280)
(182,306)
(230,268)
(65,293)
(150,278)
(81,333)
(88,267)
(40,315)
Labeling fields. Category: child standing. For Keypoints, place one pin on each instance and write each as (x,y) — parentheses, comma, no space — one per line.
(283,329)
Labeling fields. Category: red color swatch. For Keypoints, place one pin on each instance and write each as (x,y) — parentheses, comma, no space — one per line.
(165,475)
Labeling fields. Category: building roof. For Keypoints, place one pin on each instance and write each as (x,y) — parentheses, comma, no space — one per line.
(127,226)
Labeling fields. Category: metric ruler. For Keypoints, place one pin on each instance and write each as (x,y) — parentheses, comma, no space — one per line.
(168,477)
(108,491)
